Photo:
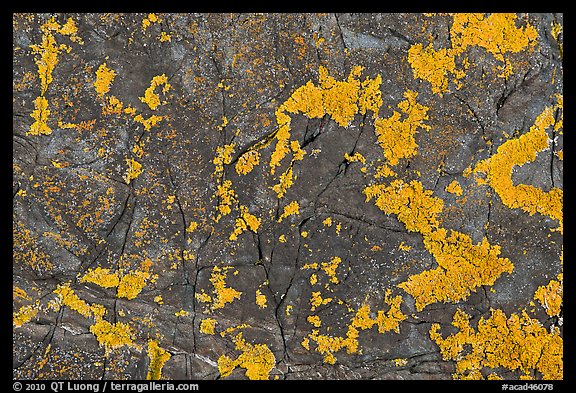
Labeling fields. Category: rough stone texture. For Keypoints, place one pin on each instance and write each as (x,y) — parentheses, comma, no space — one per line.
(74,212)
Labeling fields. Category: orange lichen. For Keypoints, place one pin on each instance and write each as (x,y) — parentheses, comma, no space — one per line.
(247,162)
(192,227)
(330,268)
(386,321)
(165,37)
(150,97)
(462,265)
(404,247)
(223,157)
(221,294)
(395,136)
(147,123)
(69,299)
(433,66)
(314,320)
(101,277)
(40,115)
(134,170)
(46,60)
(19,293)
(104,78)
(260,299)
(257,359)
(316,300)
(244,222)
(158,357)
(227,197)
(207,326)
(551,295)
(517,152)
(146,22)
(24,315)
(496,33)
(517,342)
(454,188)
(131,284)
(291,209)
(112,336)
(356,157)
(341,100)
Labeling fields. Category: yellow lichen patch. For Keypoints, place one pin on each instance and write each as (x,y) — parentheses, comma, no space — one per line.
(233,328)
(223,157)
(257,359)
(150,97)
(207,326)
(151,18)
(327,222)
(316,300)
(69,299)
(517,342)
(247,162)
(432,65)
(19,293)
(556,31)
(314,320)
(113,106)
(517,152)
(46,60)
(131,284)
(40,115)
(291,209)
(147,123)
(101,277)
(24,314)
(289,310)
(227,197)
(386,321)
(496,33)
(261,299)
(400,362)
(244,222)
(396,136)
(182,313)
(221,294)
(286,181)
(158,357)
(192,227)
(384,171)
(341,100)
(551,295)
(415,207)
(134,170)
(158,299)
(462,265)
(454,188)
(165,37)
(104,78)
(313,279)
(404,247)
(282,238)
(330,268)
(112,336)
(356,157)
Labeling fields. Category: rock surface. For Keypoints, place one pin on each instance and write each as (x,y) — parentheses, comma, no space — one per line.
(295,196)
